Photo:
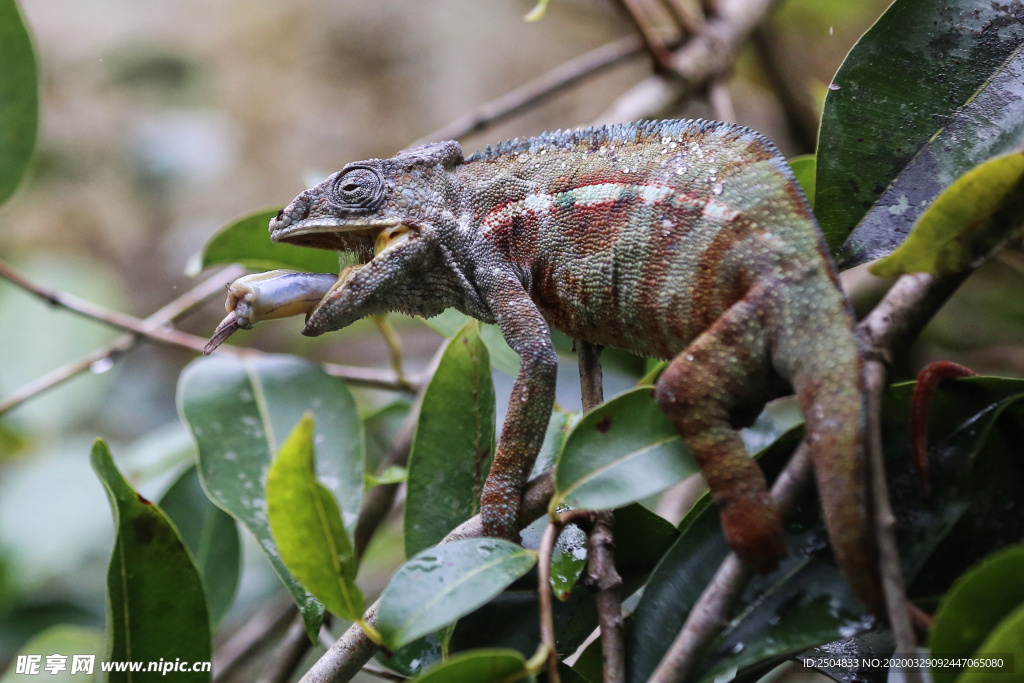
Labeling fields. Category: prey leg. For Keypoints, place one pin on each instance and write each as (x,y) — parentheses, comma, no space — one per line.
(265,296)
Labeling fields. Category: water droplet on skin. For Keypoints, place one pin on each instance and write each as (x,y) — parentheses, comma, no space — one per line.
(833,86)
(717,189)
(101,366)
(831,30)
(689,357)
(625,169)
(673,145)
(736,649)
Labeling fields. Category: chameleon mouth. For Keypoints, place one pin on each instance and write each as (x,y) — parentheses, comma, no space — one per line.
(364,240)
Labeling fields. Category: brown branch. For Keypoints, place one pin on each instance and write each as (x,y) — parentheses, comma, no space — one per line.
(383,379)
(345,659)
(659,54)
(183,305)
(706,58)
(601,573)
(231,656)
(535,92)
(290,651)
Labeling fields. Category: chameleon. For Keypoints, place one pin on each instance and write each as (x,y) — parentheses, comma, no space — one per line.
(687,240)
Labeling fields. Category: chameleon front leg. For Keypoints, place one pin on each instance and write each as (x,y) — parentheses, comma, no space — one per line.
(529,408)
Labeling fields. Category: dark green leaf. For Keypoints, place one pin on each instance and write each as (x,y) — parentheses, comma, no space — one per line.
(19,99)
(933,89)
(1007,638)
(307,528)
(478,666)
(454,443)
(237,409)
(210,535)
(804,167)
(442,584)
(64,640)
(156,607)
(623,450)
(246,240)
(568,558)
(974,606)
(980,210)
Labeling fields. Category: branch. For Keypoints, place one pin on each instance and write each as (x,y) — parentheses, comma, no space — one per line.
(383,379)
(706,58)
(354,649)
(249,640)
(796,101)
(181,306)
(535,92)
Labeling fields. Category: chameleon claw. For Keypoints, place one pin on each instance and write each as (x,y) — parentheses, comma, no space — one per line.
(227,327)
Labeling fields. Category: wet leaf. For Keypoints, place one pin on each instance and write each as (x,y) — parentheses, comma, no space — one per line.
(210,535)
(568,558)
(621,451)
(237,409)
(19,99)
(974,606)
(246,240)
(454,443)
(980,210)
(441,584)
(306,526)
(933,89)
(804,167)
(1007,638)
(63,640)
(478,666)
(156,606)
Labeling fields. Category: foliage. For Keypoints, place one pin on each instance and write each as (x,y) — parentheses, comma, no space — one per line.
(922,126)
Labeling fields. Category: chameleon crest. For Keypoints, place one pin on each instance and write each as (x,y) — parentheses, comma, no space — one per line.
(683,240)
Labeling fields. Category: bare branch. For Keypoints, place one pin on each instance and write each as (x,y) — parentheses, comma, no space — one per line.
(535,92)
(706,58)
(383,379)
(796,101)
(250,639)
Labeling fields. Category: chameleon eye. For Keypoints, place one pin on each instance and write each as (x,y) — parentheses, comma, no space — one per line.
(359,187)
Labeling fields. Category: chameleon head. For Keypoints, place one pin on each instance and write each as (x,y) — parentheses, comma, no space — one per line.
(387,212)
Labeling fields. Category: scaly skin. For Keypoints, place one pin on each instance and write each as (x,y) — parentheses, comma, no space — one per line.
(688,240)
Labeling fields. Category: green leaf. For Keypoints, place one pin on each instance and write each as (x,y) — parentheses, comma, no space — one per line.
(156,607)
(439,585)
(503,358)
(454,443)
(933,89)
(246,240)
(622,451)
(210,535)
(972,608)
(306,525)
(237,409)
(804,167)
(393,474)
(19,99)
(65,640)
(979,211)
(568,558)
(478,666)
(1007,638)
(538,11)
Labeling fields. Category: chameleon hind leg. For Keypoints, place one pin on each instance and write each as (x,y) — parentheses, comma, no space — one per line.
(722,374)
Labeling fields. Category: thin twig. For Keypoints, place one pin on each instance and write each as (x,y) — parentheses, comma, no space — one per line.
(721,102)
(537,91)
(249,640)
(354,649)
(181,306)
(379,499)
(601,573)
(383,379)
(583,519)
(290,651)
(661,58)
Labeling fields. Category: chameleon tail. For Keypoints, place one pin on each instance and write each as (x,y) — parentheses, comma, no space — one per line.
(828,379)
